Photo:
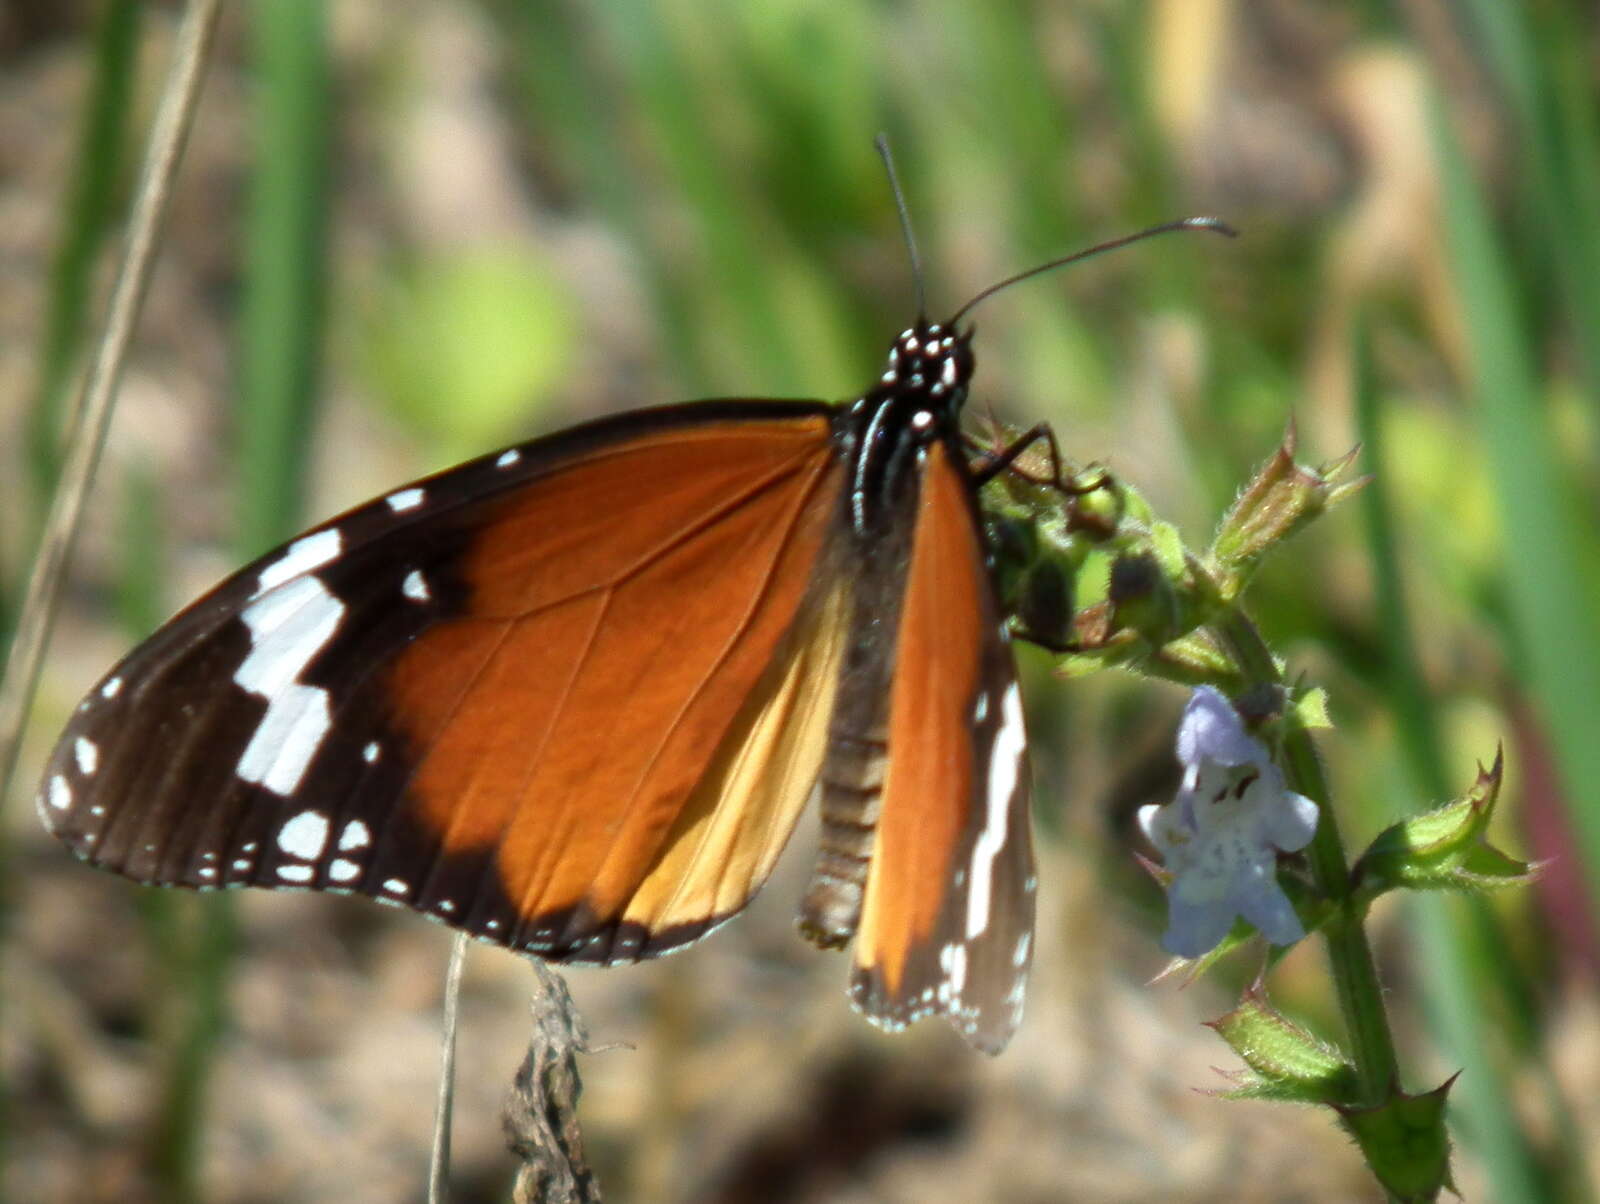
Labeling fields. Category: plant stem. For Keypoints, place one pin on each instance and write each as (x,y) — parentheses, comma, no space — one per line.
(1355,974)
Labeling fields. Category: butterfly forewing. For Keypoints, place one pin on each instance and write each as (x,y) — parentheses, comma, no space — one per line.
(947,918)
(569,698)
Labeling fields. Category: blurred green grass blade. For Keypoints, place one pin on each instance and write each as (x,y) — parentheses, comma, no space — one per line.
(1546,72)
(1550,579)
(281,334)
(196,966)
(1124,35)
(1405,691)
(91,206)
(281,322)
(661,56)
(1455,981)
(572,95)
(999,84)
(167,919)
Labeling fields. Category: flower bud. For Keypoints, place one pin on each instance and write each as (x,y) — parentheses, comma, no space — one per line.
(1280,499)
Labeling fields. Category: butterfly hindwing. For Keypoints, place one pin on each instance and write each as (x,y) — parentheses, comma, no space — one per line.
(570,697)
(947,917)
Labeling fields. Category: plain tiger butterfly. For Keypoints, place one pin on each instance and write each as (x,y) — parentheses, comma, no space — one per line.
(571,697)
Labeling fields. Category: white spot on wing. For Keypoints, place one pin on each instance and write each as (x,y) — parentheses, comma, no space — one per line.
(304,836)
(396,886)
(87,754)
(60,793)
(369,754)
(356,835)
(295,873)
(1005,766)
(111,688)
(953,961)
(406,499)
(288,627)
(507,459)
(301,557)
(1019,957)
(343,871)
(414,587)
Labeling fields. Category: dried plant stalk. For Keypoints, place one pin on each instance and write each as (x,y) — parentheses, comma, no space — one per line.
(541,1116)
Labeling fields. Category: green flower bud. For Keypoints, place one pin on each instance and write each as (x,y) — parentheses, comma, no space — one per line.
(1279,500)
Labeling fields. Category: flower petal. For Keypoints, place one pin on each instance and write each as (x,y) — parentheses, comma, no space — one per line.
(1193,930)
(1269,909)
(1211,729)
(1292,823)
(1221,834)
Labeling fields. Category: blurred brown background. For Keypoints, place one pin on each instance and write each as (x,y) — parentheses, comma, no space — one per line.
(494,219)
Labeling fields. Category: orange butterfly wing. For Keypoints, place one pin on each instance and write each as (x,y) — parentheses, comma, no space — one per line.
(947,917)
(588,732)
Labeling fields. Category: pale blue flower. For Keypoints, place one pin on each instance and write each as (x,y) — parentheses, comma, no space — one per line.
(1221,835)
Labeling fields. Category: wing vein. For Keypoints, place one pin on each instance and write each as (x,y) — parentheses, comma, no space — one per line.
(762,595)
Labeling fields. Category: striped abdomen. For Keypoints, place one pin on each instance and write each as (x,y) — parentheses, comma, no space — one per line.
(853,772)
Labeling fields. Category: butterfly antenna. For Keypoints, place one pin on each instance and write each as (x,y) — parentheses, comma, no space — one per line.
(1215,225)
(882,143)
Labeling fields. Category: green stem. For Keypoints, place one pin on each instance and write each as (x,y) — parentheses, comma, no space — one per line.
(1355,973)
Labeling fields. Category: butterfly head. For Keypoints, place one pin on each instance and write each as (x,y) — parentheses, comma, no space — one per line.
(932,364)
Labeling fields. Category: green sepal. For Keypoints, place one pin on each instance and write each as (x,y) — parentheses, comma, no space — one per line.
(1311,709)
(1191,968)
(1405,1141)
(1443,849)
(1310,908)
(1284,1061)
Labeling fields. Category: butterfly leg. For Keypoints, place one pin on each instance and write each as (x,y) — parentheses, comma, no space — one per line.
(996,462)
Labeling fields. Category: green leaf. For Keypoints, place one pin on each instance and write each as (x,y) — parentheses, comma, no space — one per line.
(1443,849)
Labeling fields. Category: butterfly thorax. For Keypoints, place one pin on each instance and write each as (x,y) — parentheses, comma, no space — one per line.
(916,401)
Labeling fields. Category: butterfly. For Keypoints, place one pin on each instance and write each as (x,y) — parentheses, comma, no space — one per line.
(572,697)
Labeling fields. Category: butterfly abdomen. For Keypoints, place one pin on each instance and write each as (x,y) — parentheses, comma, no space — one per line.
(856,763)
(852,789)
